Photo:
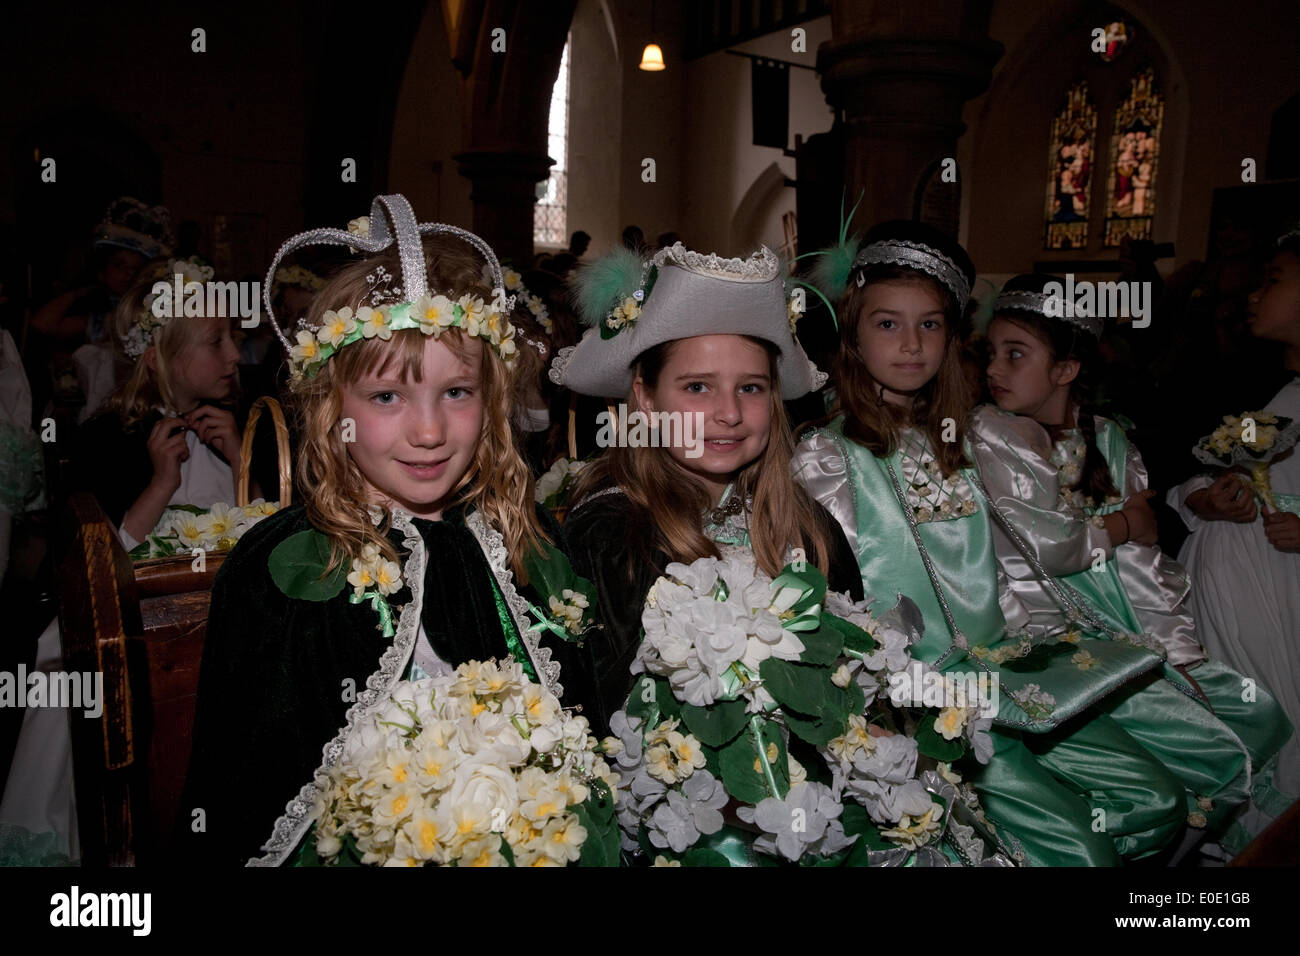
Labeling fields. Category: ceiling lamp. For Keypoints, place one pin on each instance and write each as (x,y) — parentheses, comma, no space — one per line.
(653,58)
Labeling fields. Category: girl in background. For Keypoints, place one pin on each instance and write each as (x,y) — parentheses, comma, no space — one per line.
(1075,490)
(892,468)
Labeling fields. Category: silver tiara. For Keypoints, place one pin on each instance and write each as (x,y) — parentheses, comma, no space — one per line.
(1036,302)
(916,255)
(406,232)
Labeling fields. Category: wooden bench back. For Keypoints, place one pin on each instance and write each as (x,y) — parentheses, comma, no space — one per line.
(142,626)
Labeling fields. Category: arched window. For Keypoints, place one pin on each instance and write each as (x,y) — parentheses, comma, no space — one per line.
(1070,161)
(1134,155)
(550,218)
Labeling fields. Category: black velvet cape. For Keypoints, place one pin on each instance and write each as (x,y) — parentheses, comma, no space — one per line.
(272,684)
(607,537)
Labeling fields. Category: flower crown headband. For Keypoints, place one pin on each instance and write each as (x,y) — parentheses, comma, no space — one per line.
(410,305)
(192,271)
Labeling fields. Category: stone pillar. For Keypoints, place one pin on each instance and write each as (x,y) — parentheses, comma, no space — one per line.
(898,76)
(506,105)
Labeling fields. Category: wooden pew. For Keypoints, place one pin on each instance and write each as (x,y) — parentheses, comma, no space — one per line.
(141,625)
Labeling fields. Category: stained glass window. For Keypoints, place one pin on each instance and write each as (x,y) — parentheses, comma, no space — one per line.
(1117,36)
(550,213)
(1134,152)
(1074,132)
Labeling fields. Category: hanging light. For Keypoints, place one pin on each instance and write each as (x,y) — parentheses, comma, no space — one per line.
(652,58)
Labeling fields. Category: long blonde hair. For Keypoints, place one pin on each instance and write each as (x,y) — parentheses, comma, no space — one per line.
(498,482)
(143,389)
(783,514)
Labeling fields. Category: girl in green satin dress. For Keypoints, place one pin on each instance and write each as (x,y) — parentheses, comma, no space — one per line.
(1076,490)
(1065,780)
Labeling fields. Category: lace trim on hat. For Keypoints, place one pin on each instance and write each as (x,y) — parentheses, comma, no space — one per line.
(762,266)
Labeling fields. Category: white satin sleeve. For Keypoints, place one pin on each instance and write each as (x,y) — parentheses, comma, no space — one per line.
(1177,497)
(1158,587)
(819,465)
(1012,454)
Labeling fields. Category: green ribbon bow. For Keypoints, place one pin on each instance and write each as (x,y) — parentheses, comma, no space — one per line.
(381,607)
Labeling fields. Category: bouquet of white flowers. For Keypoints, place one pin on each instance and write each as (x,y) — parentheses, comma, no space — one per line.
(1252,440)
(185,527)
(741,673)
(477,768)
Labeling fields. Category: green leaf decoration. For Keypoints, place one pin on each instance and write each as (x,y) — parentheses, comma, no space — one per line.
(192,509)
(852,636)
(703,857)
(551,574)
(822,646)
(737,762)
(596,814)
(805,688)
(716,724)
(856,821)
(140,552)
(819,730)
(643,703)
(506,852)
(932,744)
(297,564)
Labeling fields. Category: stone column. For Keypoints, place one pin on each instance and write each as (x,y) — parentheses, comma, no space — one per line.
(507,98)
(899,76)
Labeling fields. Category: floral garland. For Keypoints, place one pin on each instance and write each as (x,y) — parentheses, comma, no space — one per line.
(533,303)
(147,324)
(183,528)
(431,314)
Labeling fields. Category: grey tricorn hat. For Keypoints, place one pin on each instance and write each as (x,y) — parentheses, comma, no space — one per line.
(681,294)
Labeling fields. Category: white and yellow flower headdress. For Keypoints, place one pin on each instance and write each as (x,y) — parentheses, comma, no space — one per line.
(407,304)
(148,321)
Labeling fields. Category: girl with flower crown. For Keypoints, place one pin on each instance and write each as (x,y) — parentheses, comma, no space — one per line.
(892,467)
(410,552)
(1075,490)
(708,337)
(1243,555)
(164,437)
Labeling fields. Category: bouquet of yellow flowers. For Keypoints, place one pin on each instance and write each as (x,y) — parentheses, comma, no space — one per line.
(481,767)
(1250,440)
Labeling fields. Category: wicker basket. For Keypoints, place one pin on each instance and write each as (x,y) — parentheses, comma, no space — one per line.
(175,575)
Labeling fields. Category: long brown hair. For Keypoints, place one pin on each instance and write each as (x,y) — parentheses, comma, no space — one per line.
(671,505)
(876,425)
(498,483)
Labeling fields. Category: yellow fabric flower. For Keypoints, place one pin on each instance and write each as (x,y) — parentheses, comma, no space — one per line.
(336,327)
(306,350)
(374,322)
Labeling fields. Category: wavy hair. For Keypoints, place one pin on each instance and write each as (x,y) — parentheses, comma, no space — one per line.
(143,388)
(336,494)
(876,425)
(671,505)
